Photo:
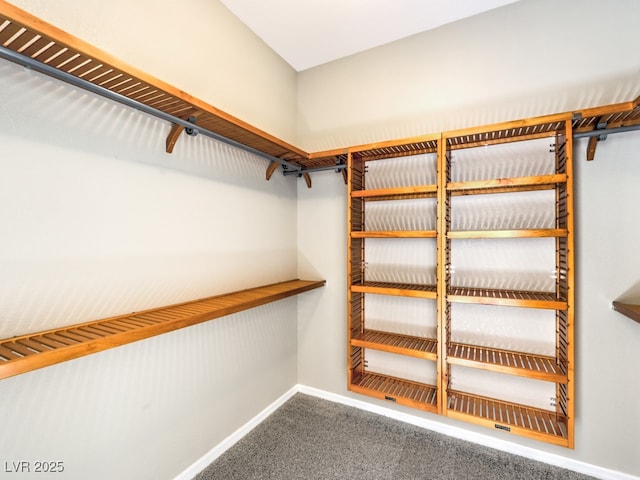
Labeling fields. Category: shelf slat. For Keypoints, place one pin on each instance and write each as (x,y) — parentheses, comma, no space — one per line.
(506,361)
(37,350)
(509,298)
(395,234)
(522,233)
(419,347)
(397,192)
(400,391)
(514,184)
(630,310)
(398,289)
(510,417)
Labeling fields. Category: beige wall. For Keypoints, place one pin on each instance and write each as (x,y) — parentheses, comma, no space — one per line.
(533,57)
(197,46)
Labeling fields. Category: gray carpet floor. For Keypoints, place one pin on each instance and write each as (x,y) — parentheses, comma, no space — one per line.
(309,438)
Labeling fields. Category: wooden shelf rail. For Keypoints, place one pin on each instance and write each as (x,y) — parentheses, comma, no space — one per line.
(630,310)
(37,350)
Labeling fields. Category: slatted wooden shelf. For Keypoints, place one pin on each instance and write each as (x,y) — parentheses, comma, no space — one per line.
(503,185)
(506,361)
(514,298)
(398,289)
(394,234)
(419,347)
(516,418)
(401,391)
(30,352)
(630,310)
(398,193)
(28,35)
(524,233)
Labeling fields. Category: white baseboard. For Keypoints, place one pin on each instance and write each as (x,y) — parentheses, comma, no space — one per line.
(232,439)
(455,432)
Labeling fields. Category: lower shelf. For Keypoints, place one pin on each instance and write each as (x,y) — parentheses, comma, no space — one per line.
(400,391)
(37,350)
(510,417)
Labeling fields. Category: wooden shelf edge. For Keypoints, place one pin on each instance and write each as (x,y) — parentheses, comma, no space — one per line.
(505,298)
(627,309)
(394,234)
(509,183)
(521,233)
(506,362)
(427,190)
(120,330)
(392,289)
(398,344)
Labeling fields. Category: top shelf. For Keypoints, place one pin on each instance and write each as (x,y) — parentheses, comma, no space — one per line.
(26,38)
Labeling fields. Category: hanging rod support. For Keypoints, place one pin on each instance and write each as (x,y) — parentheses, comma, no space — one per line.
(40,67)
(336,168)
(606,131)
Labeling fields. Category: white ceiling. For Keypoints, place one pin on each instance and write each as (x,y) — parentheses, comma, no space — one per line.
(307,33)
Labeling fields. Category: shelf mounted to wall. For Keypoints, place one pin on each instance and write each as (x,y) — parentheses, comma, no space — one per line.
(37,350)
(628,309)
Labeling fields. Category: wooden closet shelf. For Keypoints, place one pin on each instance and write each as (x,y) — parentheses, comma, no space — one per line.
(513,298)
(512,417)
(524,233)
(630,310)
(398,289)
(419,347)
(30,352)
(397,193)
(394,234)
(37,40)
(403,392)
(506,361)
(512,184)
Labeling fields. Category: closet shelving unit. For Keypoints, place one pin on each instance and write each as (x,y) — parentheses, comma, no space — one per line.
(469,173)
(372,216)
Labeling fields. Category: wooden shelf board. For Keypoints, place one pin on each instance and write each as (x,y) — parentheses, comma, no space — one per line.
(32,37)
(630,310)
(395,234)
(522,233)
(513,298)
(505,361)
(419,347)
(398,289)
(400,391)
(511,417)
(418,191)
(30,352)
(498,185)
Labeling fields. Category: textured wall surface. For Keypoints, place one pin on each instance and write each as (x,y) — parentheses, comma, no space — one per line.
(96,220)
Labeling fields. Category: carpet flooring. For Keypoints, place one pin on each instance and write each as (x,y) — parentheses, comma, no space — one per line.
(310,438)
